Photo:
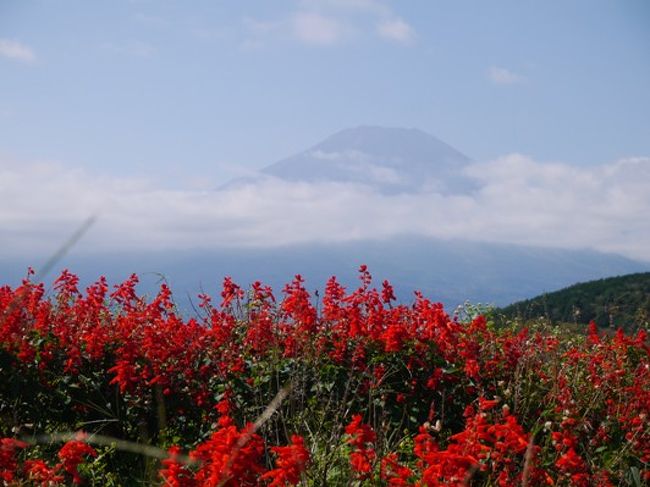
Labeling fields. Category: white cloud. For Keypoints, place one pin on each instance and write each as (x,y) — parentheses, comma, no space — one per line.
(360,164)
(17,51)
(397,30)
(351,154)
(317,29)
(520,201)
(503,76)
(310,28)
(329,22)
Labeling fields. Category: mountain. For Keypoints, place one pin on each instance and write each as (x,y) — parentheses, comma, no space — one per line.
(447,271)
(622,301)
(391,160)
(387,160)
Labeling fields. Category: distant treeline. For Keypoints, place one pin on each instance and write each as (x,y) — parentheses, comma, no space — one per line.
(615,302)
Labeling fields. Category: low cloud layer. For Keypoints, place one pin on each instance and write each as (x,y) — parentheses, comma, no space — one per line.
(519,200)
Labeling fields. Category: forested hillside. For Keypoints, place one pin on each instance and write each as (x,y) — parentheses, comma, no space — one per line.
(622,301)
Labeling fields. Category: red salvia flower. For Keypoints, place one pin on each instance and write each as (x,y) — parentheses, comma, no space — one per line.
(72,455)
(363,454)
(8,463)
(290,463)
(38,472)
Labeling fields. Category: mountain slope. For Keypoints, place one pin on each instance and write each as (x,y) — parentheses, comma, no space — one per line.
(622,301)
(389,159)
(447,271)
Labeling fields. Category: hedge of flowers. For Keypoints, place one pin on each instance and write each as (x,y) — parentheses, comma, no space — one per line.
(105,387)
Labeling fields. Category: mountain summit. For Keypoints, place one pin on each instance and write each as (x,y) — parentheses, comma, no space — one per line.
(392,160)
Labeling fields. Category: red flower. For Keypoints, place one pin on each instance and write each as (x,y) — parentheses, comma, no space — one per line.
(8,464)
(71,455)
(392,472)
(360,433)
(291,462)
(487,404)
(361,438)
(175,474)
(387,293)
(230,457)
(360,461)
(570,462)
(38,471)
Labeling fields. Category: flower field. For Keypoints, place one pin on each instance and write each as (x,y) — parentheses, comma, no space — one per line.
(349,388)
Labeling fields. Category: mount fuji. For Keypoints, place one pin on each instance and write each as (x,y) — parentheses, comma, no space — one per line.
(391,160)
(388,160)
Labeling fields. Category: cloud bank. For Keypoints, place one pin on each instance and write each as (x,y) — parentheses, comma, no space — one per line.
(519,200)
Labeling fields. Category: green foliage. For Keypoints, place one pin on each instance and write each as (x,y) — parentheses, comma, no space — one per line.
(615,302)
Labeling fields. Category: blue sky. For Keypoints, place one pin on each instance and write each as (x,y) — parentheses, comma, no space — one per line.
(128,86)
(144,105)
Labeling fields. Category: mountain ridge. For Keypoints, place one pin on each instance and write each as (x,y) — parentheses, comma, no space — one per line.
(451,272)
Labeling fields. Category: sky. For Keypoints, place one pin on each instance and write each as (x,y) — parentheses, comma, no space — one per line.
(136,110)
